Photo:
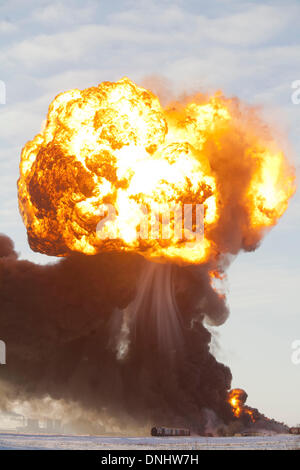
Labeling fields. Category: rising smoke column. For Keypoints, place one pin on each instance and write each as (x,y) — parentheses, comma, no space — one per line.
(123,329)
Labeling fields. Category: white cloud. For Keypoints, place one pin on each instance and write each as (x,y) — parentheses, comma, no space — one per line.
(77,46)
(254,25)
(7,27)
(170,28)
(56,13)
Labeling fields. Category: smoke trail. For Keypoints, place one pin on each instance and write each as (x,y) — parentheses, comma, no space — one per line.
(154,309)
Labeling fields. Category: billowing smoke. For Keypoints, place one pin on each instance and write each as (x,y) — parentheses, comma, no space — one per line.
(62,324)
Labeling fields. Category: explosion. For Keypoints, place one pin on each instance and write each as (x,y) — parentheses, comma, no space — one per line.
(123,332)
(114,145)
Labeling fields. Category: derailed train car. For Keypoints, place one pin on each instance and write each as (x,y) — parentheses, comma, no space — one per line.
(165,431)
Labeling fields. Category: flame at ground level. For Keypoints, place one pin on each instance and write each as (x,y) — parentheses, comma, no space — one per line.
(116,145)
(237,398)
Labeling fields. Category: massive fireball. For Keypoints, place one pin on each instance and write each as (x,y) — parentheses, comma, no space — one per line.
(116,145)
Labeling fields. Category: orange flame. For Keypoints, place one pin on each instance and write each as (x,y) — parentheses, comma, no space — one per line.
(237,398)
(116,145)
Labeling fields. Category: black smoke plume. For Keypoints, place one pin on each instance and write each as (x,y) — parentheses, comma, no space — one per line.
(74,332)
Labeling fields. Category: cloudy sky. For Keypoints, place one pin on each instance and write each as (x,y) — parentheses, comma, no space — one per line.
(246,48)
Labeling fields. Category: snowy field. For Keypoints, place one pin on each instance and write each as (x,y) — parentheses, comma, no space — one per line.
(35,441)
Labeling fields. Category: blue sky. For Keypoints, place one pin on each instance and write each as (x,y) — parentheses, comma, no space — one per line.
(246,48)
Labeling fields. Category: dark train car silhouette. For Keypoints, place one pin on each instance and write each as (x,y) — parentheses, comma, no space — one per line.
(165,431)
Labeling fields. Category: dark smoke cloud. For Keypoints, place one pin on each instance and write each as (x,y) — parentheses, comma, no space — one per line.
(63,324)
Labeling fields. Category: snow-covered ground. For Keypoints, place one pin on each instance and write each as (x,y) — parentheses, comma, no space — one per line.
(38,441)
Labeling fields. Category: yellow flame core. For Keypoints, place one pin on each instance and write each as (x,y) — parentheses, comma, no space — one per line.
(236,400)
(115,144)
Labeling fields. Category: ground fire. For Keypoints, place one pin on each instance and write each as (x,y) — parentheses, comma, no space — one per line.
(118,325)
(237,398)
